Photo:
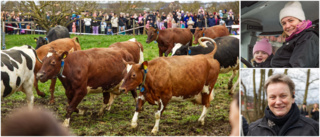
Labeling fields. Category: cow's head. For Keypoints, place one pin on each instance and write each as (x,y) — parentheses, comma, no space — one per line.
(180,49)
(152,34)
(197,34)
(134,77)
(51,64)
(40,41)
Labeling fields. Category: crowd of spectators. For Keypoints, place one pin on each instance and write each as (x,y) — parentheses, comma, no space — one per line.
(122,23)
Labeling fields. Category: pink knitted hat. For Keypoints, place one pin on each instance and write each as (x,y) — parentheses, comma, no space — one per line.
(263,45)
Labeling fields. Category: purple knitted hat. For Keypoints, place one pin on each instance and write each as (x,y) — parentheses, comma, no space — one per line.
(263,45)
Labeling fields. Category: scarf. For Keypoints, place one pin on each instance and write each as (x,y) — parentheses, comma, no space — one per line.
(300,27)
(281,124)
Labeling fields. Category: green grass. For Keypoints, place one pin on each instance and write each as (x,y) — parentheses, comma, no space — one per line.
(179,118)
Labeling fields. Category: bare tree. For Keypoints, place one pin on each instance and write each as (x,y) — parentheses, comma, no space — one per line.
(59,11)
(255,94)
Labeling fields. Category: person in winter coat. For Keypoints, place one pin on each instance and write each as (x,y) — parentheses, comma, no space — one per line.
(303,110)
(262,54)
(122,23)
(211,21)
(87,23)
(114,23)
(282,116)
(315,112)
(301,46)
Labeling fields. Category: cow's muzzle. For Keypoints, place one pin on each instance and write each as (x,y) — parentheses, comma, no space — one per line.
(147,41)
(122,90)
(40,76)
(195,42)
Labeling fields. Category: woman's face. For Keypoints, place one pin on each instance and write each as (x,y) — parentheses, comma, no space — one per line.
(279,98)
(260,56)
(289,24)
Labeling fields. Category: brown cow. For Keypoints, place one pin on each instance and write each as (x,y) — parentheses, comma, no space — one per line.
(212,32)
(178,77)
(134,47)
(97,70)
(166,38)
(60,44)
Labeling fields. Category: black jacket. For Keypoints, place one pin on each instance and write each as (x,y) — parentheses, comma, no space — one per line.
(315,115)
(303,127)
(300,51)
(265,64)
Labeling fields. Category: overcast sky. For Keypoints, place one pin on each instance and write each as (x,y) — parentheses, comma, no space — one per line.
(105,1)
(298,76)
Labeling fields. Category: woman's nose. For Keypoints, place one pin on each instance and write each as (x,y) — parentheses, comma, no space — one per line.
(278,101)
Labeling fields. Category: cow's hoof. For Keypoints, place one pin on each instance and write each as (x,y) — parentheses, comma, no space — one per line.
(41,94)
(134,125)
(82,111)
(154,131)
(66,122)
(51,102)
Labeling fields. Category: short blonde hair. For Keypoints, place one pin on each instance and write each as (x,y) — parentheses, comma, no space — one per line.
(280,78)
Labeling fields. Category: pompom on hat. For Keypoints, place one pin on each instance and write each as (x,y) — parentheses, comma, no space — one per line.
(263,45)
(293,9)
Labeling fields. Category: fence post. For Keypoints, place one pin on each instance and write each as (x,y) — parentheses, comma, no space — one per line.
(144,28)
(3,36)
(133,26)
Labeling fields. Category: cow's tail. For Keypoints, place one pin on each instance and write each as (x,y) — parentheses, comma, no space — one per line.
(35,53)
(205,46)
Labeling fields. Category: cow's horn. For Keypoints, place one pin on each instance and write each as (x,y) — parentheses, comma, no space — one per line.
(202,43)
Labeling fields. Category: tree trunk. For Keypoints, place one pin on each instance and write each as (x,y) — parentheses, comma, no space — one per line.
(307,87)
(286,71)
(245,102)
(255,95)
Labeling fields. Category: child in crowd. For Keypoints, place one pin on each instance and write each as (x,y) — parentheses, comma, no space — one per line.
(109,30)
(262,54)
(183,24)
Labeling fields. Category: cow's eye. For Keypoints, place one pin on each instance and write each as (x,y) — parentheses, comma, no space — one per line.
(133,76)
(53,62)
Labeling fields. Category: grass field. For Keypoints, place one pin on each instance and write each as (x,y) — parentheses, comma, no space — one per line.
(179,118)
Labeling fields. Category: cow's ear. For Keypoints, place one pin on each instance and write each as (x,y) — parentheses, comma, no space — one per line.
(144,65)
(64,55)
(71,50)
(35,39)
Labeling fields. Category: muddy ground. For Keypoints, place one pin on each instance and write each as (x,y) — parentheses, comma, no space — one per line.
(180,118)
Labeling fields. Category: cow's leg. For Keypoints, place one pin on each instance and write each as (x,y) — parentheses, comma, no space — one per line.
(27,86)
(234,87)
(79,95)
(162,106)
(168,50)
(52,87)
(134,95)
(37,89)
(161,50)
(107,102)
(140,102)
(207,95)
(234,72)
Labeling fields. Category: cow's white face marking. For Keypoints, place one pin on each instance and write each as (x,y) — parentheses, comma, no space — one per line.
(141,57)
(49,54)
(133,40)
(175,47)
(129,68)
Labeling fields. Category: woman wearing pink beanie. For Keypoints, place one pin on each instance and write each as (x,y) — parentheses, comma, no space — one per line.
(301,48)
(262,54)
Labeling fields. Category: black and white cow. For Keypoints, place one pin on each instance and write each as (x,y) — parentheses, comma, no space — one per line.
(53,34)
(17,71)
(227,54)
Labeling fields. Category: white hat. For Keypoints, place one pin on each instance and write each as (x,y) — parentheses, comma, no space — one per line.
(293,9)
